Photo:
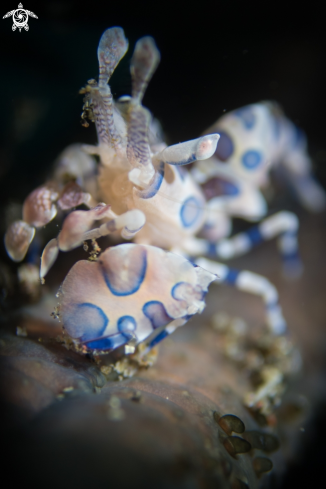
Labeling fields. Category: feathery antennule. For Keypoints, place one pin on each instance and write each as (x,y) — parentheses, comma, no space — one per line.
(95,111)
(138,151)
(144,62)
(112,47)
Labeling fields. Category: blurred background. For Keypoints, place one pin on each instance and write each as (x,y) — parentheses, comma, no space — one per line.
(216,56)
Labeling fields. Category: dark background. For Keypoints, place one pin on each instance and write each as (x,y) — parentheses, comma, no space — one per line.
(216,56)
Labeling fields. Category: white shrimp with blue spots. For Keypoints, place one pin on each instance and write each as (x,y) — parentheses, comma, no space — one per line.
(258,137)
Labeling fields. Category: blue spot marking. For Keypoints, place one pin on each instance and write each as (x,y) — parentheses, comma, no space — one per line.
(174,290)
(126,324)
(225,146)
(229,188)
(86,321)
(255,235)
(211,249)
(158,338)
(156,313)
(218,186)
(189,160)
(152,190)
(272,305)
(109,343)
(251,159)
(291,257)
(190,212)
(247,116)
(136,274)
(232,276)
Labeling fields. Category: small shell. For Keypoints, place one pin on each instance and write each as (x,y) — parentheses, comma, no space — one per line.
(39,208)
(17,240)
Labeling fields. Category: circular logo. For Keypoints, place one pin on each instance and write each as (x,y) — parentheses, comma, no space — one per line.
(20,18)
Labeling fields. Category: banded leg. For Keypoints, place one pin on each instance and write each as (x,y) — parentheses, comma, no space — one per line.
(161,334)
(283,225)
(144,62)
(254,284)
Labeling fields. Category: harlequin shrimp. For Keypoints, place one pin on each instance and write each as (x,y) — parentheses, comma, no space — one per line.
(137,292)
(254,140)
(258,138)
(144,289)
